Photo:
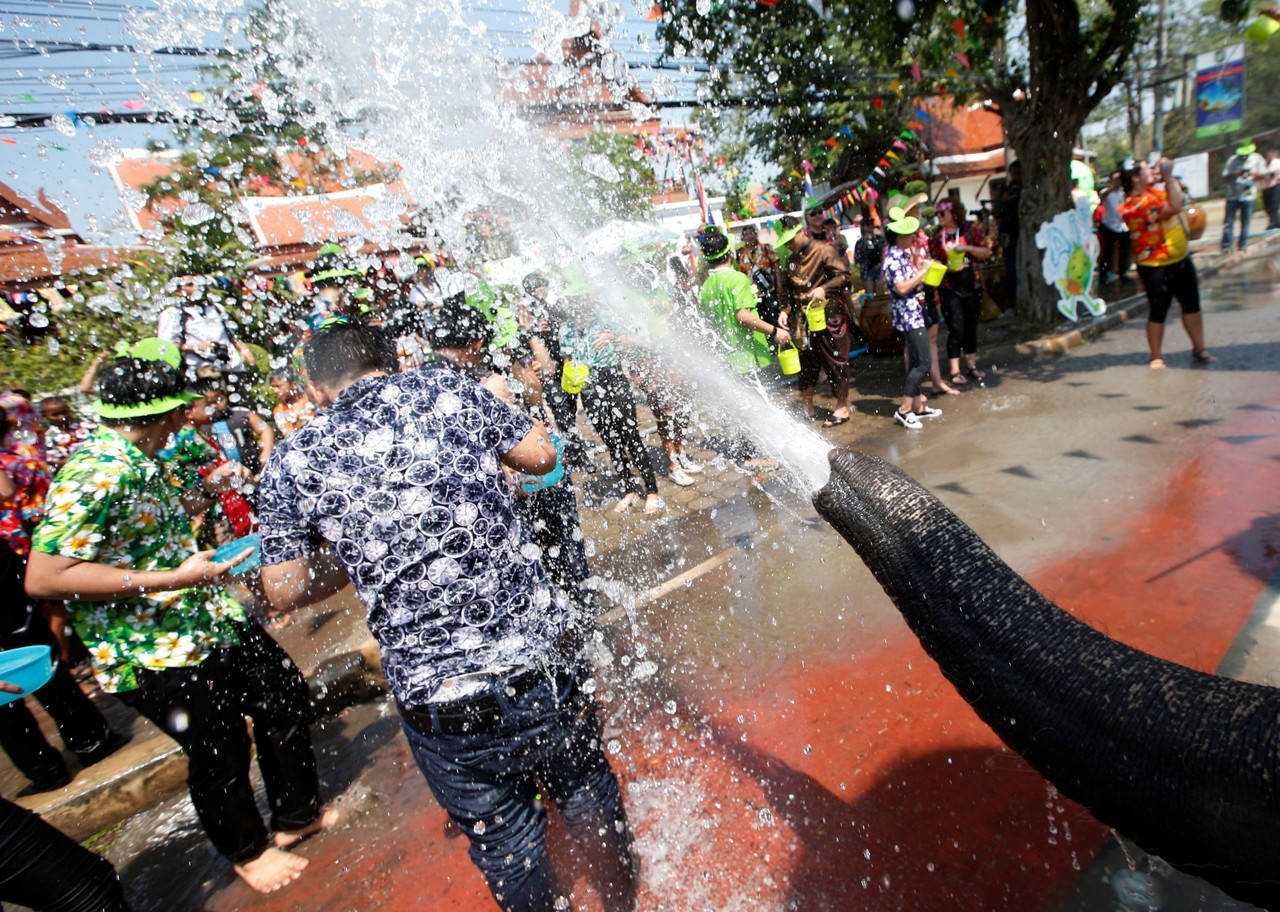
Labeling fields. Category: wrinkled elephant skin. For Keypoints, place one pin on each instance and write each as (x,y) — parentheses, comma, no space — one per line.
(1181,762)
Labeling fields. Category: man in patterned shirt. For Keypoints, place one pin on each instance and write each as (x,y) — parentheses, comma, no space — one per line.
(401,475)
(163,636)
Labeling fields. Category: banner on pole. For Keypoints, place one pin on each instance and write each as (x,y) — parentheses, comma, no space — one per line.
(1220,91)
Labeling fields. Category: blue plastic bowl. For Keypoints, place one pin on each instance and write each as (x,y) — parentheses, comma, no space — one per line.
(235,548)
(30,667)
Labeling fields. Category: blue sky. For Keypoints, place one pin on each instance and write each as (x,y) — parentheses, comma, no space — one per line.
(40,76)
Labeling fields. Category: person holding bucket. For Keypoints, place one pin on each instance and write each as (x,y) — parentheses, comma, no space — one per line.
(905,272)
(816,279)
(959,245)
(729,300)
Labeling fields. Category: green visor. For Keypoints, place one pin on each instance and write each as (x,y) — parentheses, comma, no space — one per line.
(786,236)
(144,409)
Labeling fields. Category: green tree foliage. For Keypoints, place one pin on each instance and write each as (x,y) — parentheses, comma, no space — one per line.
(616,180)
(1044,64)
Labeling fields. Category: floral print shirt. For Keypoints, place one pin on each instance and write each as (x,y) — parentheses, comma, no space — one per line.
(908,310)
(20,512)
(401,477)
(1156,241)
(60,442)
(112,505)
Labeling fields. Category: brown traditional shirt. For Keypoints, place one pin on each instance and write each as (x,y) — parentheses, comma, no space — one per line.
(819,264)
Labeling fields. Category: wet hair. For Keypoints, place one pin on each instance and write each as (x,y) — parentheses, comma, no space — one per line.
(830,221)
(206,385)
(788,221)
(347,351)
(457,324)
(534,280)
(713,243)
(51,401)
(280,373)
(133,381)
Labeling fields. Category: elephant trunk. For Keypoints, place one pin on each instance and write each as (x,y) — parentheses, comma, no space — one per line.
(1181,762)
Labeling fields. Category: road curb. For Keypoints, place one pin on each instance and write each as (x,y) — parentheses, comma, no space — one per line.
(1118,312)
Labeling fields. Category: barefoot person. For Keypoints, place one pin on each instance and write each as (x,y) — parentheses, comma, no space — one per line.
(1151,210)
(163,636)
(401,474)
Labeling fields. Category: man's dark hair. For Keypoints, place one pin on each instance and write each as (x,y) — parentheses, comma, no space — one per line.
(829,221)
(534,280)
(1128,180)
(51,400)
(206,385)
(347,351)
(713,243)
(788,221)
(457,324)
(133,381)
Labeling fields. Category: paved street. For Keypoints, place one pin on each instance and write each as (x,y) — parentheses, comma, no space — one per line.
(784,741)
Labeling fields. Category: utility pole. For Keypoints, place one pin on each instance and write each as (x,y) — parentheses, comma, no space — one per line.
(1162,53)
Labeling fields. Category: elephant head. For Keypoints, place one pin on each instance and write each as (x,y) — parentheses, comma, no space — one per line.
(1186,764)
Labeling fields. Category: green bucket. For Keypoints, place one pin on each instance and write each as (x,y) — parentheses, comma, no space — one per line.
(574,377)
(789,359)
(816,316)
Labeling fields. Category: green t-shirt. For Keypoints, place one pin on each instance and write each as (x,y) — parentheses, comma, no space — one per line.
(724,293)
(110,504)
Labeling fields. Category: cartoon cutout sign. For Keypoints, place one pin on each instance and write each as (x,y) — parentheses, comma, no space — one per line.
(1070,256)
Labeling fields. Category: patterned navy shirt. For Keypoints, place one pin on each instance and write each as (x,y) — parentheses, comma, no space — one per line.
(401,477)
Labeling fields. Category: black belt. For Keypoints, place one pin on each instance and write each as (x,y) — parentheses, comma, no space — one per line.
(483,710)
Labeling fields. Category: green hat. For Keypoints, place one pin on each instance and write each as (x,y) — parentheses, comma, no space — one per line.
(786,236)
(1247,149)
(150,349)
(330,275)
(156,349)
(901,222)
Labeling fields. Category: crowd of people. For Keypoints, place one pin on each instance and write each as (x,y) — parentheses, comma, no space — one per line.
(422,446)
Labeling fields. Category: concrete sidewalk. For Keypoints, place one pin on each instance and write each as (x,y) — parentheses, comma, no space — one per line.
(332,645)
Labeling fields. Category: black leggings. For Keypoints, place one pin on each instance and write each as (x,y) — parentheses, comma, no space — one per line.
(203,709)
(961,313)
(918,360)
(42,869)
(1164,283)
(612,412)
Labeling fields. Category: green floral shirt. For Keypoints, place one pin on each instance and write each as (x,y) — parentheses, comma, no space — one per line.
(110,504)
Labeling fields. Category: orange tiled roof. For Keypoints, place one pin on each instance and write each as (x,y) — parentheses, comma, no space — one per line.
(963,140)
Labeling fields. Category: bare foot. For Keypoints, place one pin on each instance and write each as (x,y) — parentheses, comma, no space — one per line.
(1156,364)
(624,504)
(328,817)
(271,870)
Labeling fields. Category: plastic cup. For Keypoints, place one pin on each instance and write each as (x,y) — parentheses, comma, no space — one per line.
(30,667)
(789,359)
(935,274)
(1261,29)
(574,377)
(955,260)
(816,316)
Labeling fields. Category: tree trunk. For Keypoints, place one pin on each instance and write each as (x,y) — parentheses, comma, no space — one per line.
(1046,190)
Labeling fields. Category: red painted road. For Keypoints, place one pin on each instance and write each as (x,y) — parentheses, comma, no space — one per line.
(858,782)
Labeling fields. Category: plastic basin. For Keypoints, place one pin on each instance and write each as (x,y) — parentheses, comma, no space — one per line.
(30,667)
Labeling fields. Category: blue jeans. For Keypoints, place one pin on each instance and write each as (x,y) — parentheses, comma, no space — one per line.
(493,781)
(1245,208)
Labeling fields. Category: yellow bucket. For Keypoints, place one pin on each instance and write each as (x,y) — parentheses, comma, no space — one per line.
(789,359)
(1261,28)
(955,260)
(935,274)
(816,316)
(574,377)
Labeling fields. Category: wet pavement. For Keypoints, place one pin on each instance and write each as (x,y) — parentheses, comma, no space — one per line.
(783,741)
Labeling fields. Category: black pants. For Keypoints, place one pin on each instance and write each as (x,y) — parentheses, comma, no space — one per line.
(554,527)
(81,726)
(918,360)
(42,869)
(1271,203)
(961,313)
(203,709)
(1011,274)
(1115,250)
(612,412)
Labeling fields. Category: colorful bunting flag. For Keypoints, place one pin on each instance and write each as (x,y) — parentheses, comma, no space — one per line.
(134,104)
(655,13)
(964,60)
(958,27)
(915,70)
